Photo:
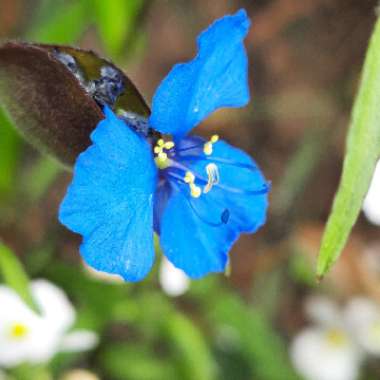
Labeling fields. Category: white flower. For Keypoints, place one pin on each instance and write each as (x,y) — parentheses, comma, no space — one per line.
(363,318)
(26,336)
(326,350)
(371,205)
(173,281)
(79,374)
(323,354)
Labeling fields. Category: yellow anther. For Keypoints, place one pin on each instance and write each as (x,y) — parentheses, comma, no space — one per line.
(189,177)
(169,145)
(162,156)
(207,148)
(213,177)
(195,190)
(214,138)
(162,160)
(18,330)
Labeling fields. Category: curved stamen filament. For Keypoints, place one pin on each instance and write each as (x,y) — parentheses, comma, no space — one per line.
(220,161)
(207,146)
(224,216)
(263,190)
(213,177)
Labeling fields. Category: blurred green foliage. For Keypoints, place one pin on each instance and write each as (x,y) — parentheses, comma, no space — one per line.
(10,143)
(14,275)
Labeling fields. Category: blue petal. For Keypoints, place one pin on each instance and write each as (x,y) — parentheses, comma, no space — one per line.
(215,78)
(195,233)
(110,201)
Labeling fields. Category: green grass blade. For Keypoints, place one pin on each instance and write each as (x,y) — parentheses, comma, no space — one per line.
(14,275)
(192,353)
(362,153)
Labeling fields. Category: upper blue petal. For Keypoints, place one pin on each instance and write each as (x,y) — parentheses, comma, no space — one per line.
(215,78)
(110,201)
(192,233)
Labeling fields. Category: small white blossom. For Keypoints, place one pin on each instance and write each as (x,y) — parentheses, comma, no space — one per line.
(79,374)
(363,318)
(173,281)
(323,354)
(26,336)
(325,351)
(371,205)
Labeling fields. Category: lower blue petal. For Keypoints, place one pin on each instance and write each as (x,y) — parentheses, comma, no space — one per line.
(197,233)
(110,201)
(190,244)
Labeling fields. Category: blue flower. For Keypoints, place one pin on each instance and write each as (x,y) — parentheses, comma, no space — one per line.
(197,195)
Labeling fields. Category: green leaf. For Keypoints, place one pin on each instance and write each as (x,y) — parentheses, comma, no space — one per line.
(191,350)
(30,372)
(259,343)
(135,362)
(14,275)
(362,153)
(48,104)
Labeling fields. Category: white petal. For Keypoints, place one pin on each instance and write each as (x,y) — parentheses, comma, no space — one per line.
(39,345)
(45,343)
(371,205)
(173,281)
(55,306)
(79,340)
(362,316)
(79,374)
(315,357)
(11,305)
(11,355)
(322,311)
(43,332)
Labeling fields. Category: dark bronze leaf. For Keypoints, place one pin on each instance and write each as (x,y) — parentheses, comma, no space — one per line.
(55,105)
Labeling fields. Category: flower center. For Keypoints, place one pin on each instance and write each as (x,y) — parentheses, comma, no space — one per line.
(161,153)
(375,330)
(165,157)
(336,338)
(18,331)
